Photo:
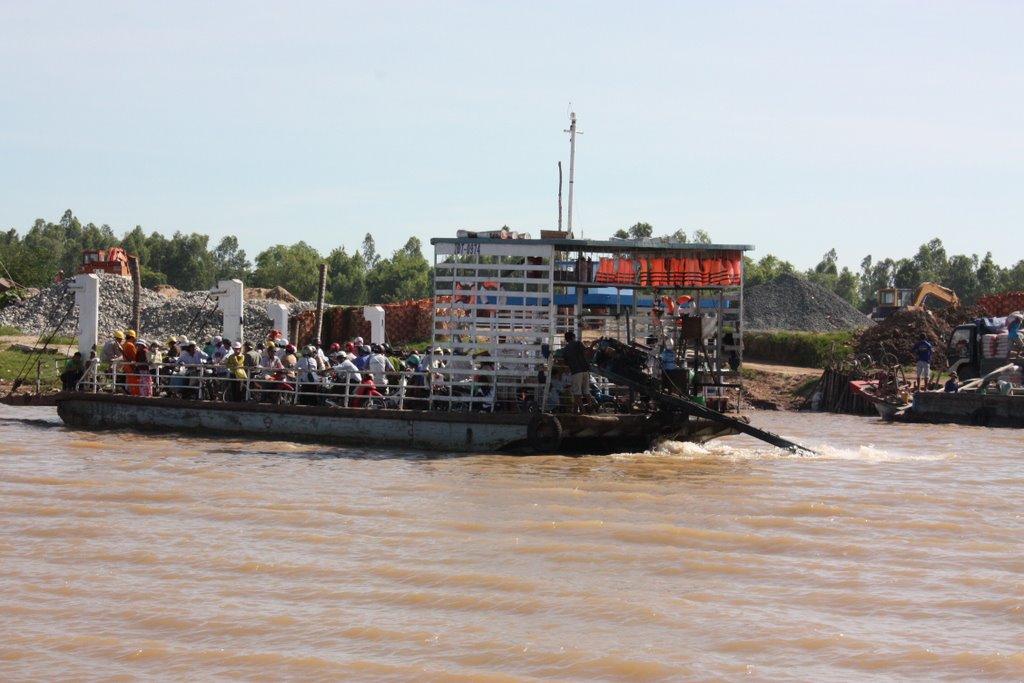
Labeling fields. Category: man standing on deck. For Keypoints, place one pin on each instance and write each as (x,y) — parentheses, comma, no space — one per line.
(110,355)
(575,357)
(923,349)
(129,352)
(1013,322)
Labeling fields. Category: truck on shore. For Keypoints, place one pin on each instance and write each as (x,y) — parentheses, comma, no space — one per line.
(978,347)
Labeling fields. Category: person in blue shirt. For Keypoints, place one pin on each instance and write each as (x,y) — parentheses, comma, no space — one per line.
(1013,322)
(923,349)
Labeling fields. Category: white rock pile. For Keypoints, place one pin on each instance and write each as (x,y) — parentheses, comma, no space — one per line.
(193,314)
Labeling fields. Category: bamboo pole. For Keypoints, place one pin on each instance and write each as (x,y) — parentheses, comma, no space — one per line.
(318,323)
(133,269)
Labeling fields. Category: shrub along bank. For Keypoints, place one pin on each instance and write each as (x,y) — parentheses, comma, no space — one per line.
(802,349)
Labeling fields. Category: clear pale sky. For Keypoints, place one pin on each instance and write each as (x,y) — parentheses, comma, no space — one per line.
(798,127)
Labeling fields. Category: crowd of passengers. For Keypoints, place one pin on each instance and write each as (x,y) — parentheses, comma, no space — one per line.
(353,374)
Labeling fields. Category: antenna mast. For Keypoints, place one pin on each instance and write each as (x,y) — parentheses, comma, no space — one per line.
(572,166)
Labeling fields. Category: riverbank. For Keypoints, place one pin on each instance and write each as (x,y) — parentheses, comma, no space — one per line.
(771,386)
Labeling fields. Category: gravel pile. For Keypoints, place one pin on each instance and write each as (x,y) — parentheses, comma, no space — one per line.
(791,303)
(193,314)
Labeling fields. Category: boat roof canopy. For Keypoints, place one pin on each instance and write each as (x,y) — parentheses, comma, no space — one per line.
(617,246)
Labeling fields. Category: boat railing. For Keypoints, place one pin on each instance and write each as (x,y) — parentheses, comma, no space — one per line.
(487,385)
(281,386)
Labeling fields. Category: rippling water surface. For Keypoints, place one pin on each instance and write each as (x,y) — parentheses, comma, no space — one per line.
(894,555)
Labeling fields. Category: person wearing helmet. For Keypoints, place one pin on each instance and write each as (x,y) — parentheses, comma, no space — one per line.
(362,357)
(191,361)
(335,347)
(377,365)
(417,383)
(282,344)
(129,352)
(322,363)
(234,365)
(211,345)
(308,375)
(394,360)
(156,361)
(269,360)
(110,354)
(272,375)
(165,372)
(289,360)
(252,359)
(220,352)
(344,369)
(365,391)
(143,380)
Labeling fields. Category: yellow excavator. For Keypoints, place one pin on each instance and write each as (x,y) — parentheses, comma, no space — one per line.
(892,299)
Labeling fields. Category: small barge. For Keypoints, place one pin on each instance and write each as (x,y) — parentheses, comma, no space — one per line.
(966,408)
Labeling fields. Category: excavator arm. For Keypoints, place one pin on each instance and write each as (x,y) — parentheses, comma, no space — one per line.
(926,289)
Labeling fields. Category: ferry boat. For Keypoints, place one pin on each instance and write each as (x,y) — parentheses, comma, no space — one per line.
(662,319)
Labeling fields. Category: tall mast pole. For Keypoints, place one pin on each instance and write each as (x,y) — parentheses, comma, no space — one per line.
(572,166)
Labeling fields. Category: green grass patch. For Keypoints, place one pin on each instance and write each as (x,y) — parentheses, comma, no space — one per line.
(8,331)
(802,349)
(60,343)
(807,386)
(14,364)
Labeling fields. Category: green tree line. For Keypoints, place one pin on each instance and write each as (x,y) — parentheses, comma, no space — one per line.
(188,262)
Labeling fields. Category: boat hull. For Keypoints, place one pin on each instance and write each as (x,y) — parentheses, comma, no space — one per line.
(422,430)
(889,409)
(967,408)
